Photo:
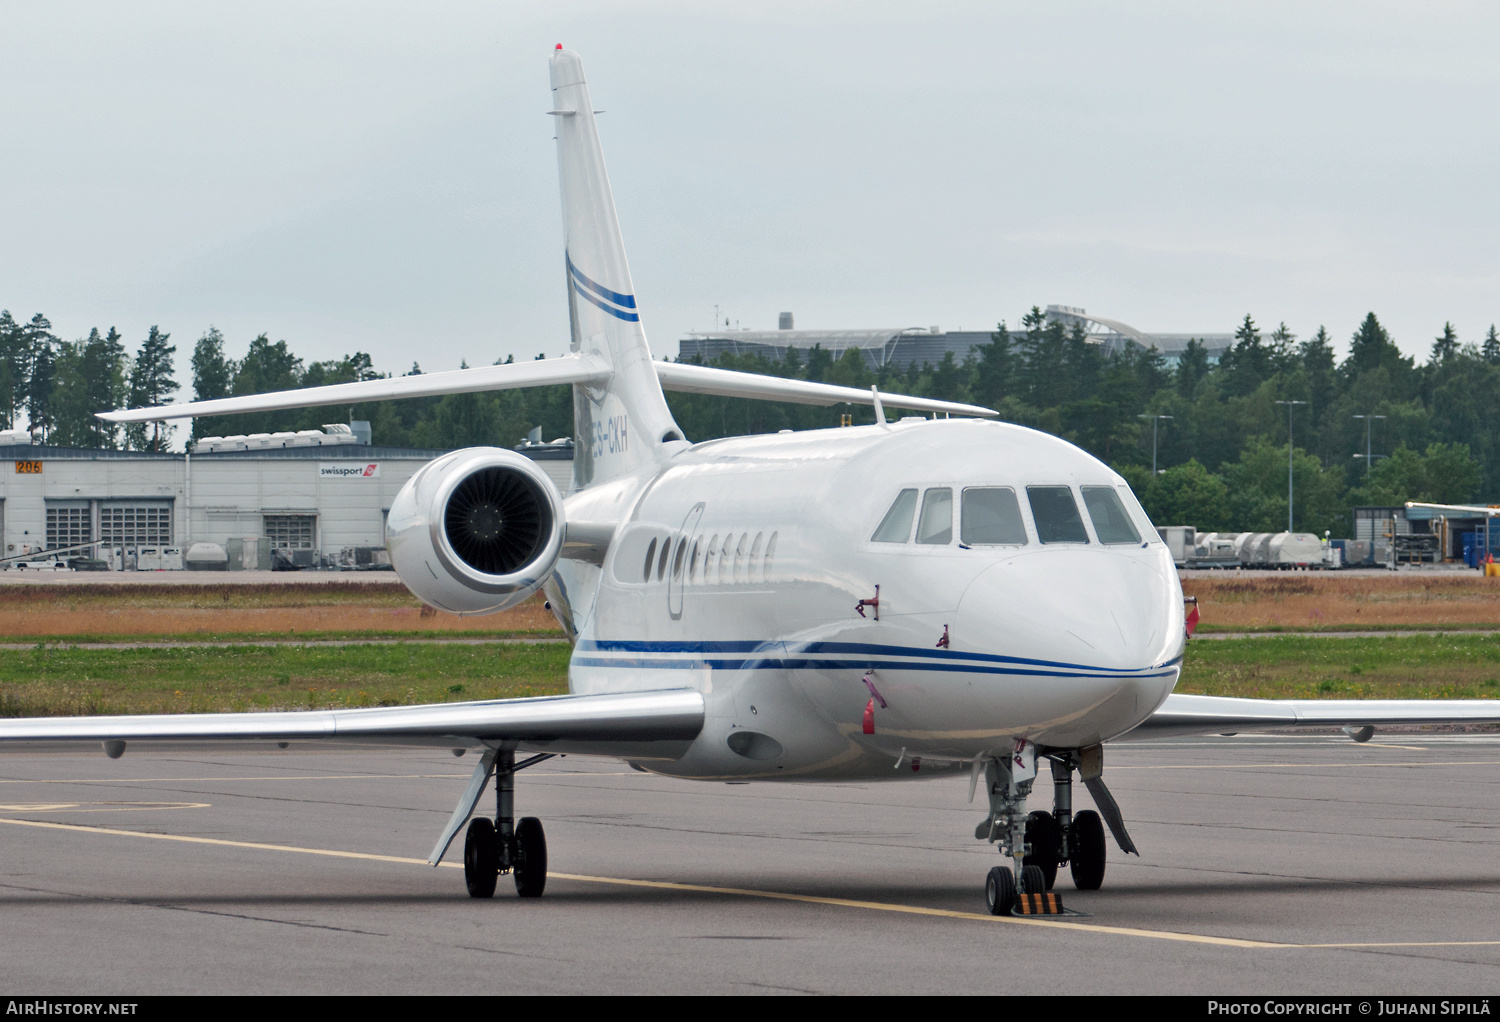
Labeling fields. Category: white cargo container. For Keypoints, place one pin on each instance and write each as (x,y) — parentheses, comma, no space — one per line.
(1294,550)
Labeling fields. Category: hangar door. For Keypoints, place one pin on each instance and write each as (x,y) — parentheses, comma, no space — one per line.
(121,523)
(135,523)
(291,532)
(69,524)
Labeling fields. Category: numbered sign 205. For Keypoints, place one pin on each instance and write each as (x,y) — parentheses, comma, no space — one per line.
(28,468)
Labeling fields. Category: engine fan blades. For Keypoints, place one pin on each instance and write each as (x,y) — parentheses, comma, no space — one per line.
(496,521)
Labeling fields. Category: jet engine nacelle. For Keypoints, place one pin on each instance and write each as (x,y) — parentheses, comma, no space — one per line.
(476,531)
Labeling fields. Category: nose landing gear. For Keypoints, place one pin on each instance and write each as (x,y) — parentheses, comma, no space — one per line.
(1040,842)
(1023,891)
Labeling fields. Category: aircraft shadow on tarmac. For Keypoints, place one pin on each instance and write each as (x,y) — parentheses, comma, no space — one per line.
(954,897)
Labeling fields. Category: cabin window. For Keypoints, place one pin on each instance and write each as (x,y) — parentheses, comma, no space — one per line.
(1111,523)
(739,556)
(754,561)
(650,556)
(991,515)
(726,566)
(710,560)
(693,563)
(936,525)
(677,559)
(1056,515)
(895,527)
(770,553)
(661,560)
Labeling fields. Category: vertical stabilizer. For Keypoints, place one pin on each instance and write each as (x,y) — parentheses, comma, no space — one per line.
(621,424)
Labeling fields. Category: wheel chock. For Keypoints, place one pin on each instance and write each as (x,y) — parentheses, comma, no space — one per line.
(1047,904)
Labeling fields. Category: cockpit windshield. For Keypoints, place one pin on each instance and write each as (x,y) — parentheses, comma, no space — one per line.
(991,516)
(1056,515)
(936,526)
(1111,523)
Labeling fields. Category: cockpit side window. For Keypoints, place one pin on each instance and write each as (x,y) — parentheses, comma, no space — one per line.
(991,515)
(895,527)
(1142,520)
(1056,515)
(1111,523)
(936,525)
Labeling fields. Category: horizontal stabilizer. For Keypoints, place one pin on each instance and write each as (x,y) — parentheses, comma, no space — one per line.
(571,722)
(510,376)
(1209,715)
(691,379)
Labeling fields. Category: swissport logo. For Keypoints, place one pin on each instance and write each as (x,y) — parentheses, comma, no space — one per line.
(349,470)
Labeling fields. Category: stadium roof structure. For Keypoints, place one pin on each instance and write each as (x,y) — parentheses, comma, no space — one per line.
(1114,335)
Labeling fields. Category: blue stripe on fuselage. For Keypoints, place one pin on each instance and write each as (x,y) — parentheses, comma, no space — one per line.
(847,648)
(795,663)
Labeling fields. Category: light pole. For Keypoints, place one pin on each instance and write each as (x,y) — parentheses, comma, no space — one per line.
(1291,406)
(1369,459)
(1155,419)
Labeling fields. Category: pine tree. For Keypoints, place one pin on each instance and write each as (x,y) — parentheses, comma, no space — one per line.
(72,418)
(1192,366)
(40,355)
(12,374)
(1491,348)
(1445,346)
(151,384)
(1283,348)
(105,367)
(213,378)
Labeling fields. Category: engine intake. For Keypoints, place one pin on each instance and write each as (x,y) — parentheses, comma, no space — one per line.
(476,531)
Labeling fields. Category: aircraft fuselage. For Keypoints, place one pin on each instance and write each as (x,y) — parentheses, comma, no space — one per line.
(740,565)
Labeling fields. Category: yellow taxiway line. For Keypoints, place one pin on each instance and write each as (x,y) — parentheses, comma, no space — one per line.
(809,899)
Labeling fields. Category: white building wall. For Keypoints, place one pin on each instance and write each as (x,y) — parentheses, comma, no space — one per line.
(220,497)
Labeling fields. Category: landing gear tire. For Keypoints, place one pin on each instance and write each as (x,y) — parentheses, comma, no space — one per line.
(1044,838)
(1086,851)
(1033,880)
(1000,891)
(481,858)
(531,858)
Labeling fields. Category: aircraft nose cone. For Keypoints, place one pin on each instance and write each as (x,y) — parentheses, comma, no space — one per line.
(1084,607)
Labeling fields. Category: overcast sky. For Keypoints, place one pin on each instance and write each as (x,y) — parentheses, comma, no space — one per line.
(381,176)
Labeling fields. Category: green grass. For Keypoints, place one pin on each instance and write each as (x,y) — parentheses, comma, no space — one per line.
(187,679)
(53,682)
(1294,667)
(1351,627)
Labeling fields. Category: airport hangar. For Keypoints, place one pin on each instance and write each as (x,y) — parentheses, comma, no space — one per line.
(901,347)
(323,495)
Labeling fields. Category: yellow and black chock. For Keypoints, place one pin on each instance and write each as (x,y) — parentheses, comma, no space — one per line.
(1045,904)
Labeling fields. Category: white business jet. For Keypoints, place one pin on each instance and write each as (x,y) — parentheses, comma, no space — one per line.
(927,596)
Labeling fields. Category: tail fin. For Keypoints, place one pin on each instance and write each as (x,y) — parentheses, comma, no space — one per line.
(619,424)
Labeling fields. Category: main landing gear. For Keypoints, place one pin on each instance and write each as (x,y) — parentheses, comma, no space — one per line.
(1039,842)
(503,845)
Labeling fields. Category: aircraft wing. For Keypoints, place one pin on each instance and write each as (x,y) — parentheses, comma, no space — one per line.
(1211,715)
(1467,510)
(570,368)
(649,725)
(692,379)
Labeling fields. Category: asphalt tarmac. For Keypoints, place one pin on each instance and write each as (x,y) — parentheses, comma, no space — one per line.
(1269,865)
